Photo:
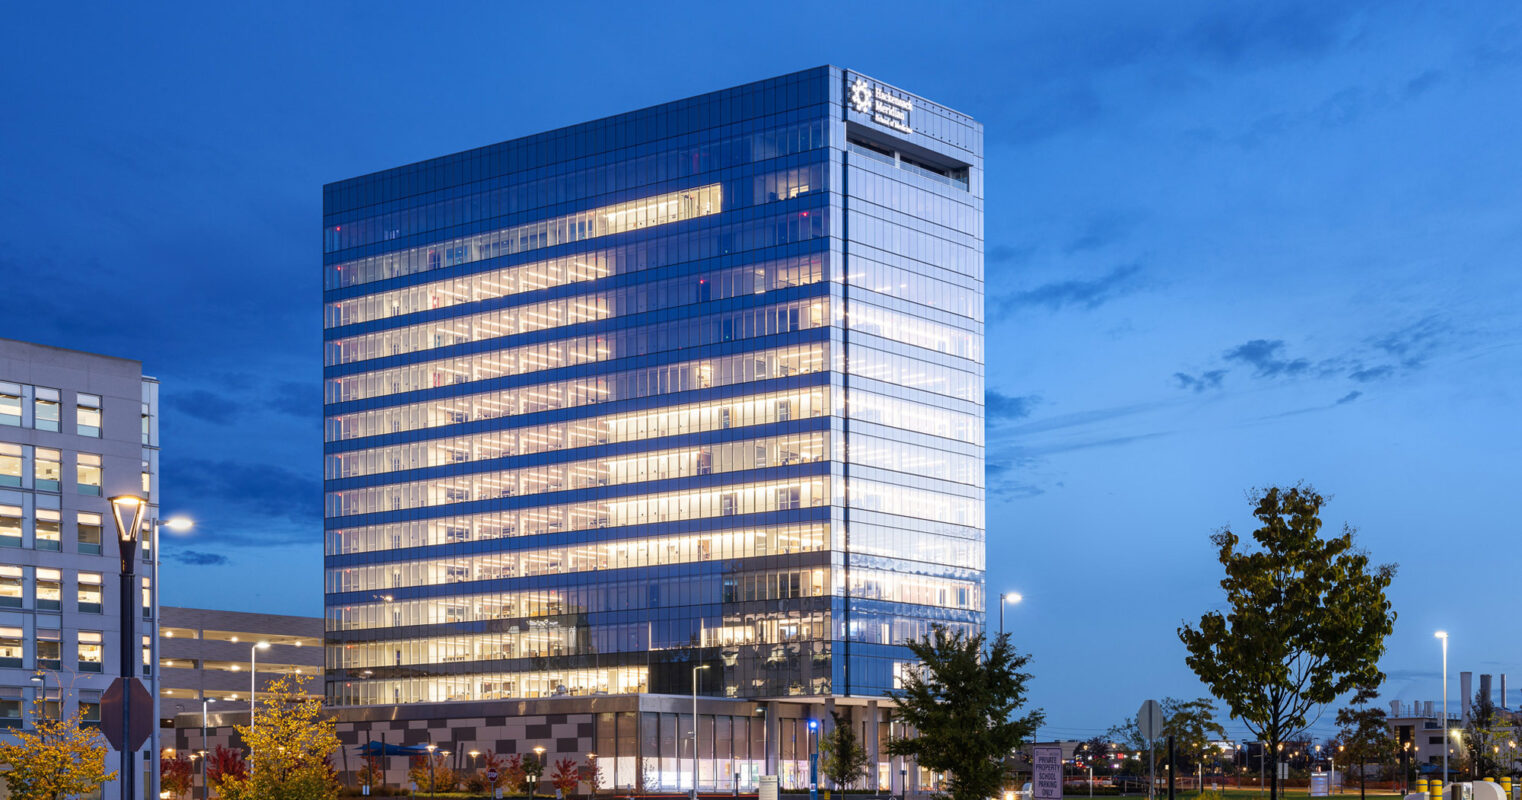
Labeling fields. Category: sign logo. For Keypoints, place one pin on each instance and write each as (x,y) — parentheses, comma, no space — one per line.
(861,96)
(884,109)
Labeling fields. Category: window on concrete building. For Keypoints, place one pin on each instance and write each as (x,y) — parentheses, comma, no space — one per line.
(10,647)
(45,405)
(92,654)
(87,472)
(10,465)
(49,589)
(87,415)
(10,404)
(88,528)
(10,587)
(10,526)
(47,470)
(91,593)
(49,648)
(48,530)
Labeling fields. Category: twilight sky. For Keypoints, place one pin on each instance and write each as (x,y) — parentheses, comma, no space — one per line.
(1229,245)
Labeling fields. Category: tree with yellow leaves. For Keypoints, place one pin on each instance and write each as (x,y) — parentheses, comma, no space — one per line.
(288,746)
(57,758)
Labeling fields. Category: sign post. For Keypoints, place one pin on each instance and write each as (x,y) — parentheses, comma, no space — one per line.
(1046,772)
(1149,721)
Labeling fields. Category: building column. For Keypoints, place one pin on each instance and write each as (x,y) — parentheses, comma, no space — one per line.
(874,752)
(772,738)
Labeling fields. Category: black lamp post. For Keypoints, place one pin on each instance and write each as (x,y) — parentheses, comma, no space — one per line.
(128,512)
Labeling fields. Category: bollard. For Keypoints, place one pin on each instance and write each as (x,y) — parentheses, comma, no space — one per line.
(1421,786)
(1435,789)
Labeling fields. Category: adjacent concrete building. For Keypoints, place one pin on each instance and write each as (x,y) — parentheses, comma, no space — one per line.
(75,429)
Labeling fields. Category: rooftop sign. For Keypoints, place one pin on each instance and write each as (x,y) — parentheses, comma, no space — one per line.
(885,109)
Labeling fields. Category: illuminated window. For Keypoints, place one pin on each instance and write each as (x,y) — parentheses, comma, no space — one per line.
(10,404)
(87,415)
(10,465)
(10,647)
(92,654)
(87,474)
(49,648)
(49,589)
(10,587)
(45,405)
(10,526)
(91,593)
(88,528)
(47,470)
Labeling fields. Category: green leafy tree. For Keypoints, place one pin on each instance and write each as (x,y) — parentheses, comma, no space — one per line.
(1306,619)
(1363,738)
(1486,740)
(532,769)
(288,748)
(514,777)
(1192,723)
(960,703)
(842,759)
(432,773)
(54,759)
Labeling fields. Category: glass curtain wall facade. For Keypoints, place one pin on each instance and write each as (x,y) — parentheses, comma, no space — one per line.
(700,384)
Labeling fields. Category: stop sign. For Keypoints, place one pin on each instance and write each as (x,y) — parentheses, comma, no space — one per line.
(491,775)
(112,708)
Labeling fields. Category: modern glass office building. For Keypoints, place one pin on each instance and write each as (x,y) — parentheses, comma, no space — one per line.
(699,385)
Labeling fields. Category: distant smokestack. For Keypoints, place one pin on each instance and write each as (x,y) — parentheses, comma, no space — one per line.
(1394,708)
(1466,689)
(1427,709)
(1503,691)
(1485,688)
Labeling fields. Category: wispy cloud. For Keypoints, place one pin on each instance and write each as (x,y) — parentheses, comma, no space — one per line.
(196,558)
(1209,379)
(248,503)
(1266,359)
(1000,407)
(1349,397)
(1085,294)
(218,409)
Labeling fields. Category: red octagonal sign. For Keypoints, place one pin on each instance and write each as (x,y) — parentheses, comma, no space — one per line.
(112,708)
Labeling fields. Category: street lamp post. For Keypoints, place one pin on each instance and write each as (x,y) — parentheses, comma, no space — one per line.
(42,678)
(539,764)
(253,682)
(431,748)
(205,748)
(1007,597)
(1444,636)
(813,744)
(695,671)
(127,511)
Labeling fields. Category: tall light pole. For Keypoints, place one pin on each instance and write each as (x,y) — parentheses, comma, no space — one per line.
(128,511)
(205,749)
(1007,597)
(253,682)
(1444,636)
(130,514)
(431,748)
(695,671)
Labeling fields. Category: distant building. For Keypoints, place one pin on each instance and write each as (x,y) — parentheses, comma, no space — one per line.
(206,654)
(75,429)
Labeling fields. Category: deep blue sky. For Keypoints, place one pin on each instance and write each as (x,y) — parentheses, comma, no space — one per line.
(1229,245)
